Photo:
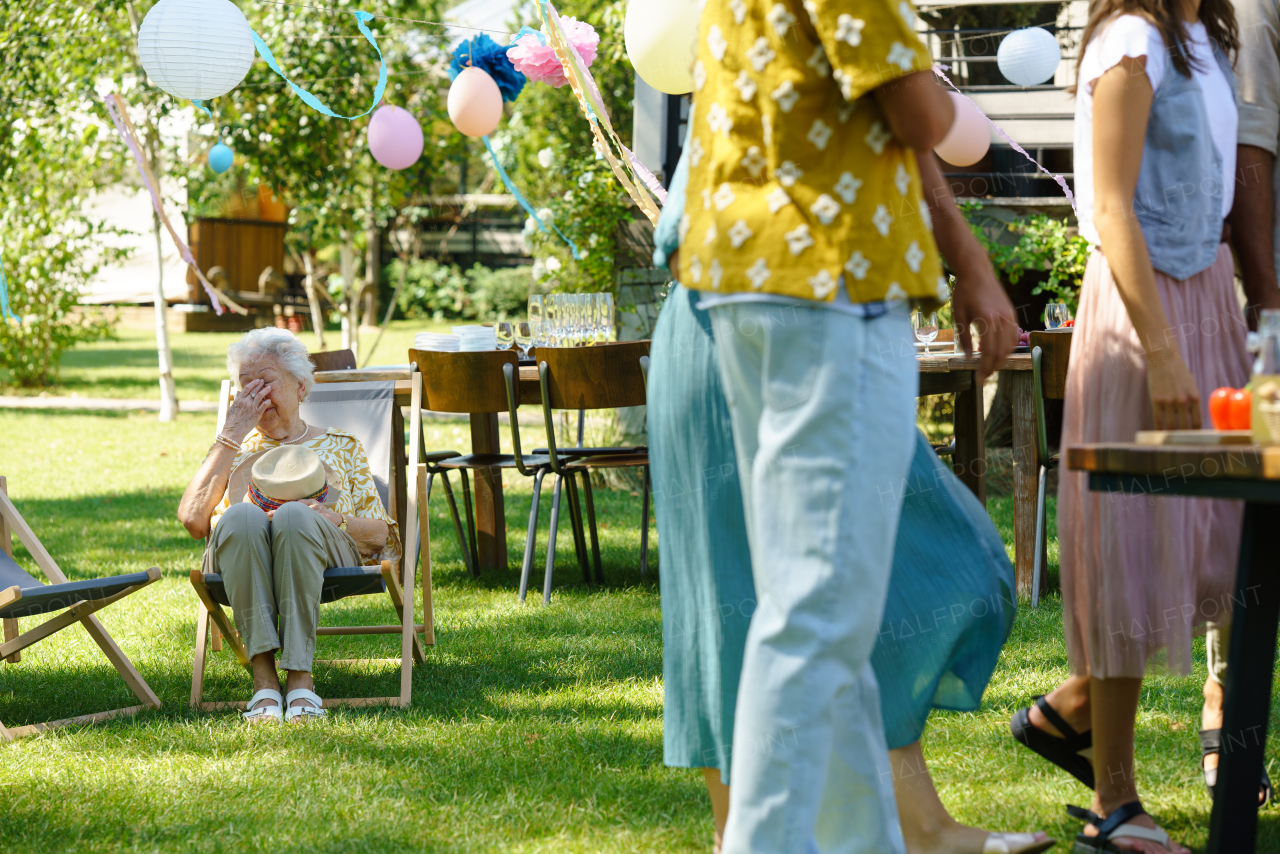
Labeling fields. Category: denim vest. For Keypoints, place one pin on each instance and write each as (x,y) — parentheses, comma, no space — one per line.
(1178,201)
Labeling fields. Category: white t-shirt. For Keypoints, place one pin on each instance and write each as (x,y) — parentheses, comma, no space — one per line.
(1131,35)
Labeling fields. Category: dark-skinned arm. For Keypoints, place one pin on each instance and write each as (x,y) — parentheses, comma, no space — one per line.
(1252,222)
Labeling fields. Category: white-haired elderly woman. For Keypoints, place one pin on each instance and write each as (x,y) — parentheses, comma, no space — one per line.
(273,563)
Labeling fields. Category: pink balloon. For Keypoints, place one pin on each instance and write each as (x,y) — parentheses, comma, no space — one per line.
(970,135)
(395,137)
(475,104)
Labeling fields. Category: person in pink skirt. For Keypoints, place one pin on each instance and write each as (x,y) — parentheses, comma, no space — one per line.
(1158,329)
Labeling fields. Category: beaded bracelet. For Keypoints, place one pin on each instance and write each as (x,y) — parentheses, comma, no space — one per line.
(225,442)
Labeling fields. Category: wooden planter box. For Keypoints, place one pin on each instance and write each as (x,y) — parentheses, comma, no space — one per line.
(242,247)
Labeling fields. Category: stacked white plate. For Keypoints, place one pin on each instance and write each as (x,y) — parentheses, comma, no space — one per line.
(436,341)
(472,339)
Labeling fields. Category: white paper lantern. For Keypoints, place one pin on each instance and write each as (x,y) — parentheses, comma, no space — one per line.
(1029,57)
(197,49)
(661,38)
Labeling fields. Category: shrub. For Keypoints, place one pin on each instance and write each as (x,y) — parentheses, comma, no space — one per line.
(1040,243)
(444,292)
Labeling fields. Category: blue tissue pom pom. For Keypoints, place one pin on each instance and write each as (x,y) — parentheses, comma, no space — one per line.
(489,56)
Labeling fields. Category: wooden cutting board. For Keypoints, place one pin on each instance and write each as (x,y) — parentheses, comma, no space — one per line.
(1194,437)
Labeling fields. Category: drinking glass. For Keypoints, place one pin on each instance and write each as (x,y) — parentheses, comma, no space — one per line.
(552,329)
(604,315)
(523,337)
(537,308)
(925,324)
(1056,314)
(504,335)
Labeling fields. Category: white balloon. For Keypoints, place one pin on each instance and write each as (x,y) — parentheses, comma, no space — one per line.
(661,37)
(1029,57)
(969,137)
(196,49)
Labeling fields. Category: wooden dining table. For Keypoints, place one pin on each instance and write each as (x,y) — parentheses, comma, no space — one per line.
(939,373)
(1252,474)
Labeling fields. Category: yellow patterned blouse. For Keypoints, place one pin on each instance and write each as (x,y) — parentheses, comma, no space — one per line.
(342,453)
(794,175)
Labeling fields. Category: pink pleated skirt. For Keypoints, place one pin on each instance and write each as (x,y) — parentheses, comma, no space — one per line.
(1140,573)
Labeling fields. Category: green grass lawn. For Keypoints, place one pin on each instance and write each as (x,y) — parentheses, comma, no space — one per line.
(531,729)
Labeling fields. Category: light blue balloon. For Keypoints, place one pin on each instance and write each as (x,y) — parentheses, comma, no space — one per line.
(220,158)
(1029,57)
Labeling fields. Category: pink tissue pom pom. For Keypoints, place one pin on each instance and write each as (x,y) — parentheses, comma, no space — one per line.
(538,62)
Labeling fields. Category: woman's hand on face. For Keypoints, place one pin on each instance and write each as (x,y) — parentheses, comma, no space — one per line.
(246,410)
(1175,398)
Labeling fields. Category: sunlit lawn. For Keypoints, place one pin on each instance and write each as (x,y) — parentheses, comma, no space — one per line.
(531,729)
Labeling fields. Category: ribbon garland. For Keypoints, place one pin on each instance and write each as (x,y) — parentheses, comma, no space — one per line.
(1062,182)
(584,87)
(120,117)
(524,203)
(311,100)
(4,297)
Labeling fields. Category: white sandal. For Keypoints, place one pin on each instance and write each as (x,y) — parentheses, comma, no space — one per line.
(293,712)
(1015,843)
(274,712)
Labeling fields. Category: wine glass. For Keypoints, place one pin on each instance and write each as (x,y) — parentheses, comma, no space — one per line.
(925,324)
(504,335)
(537,308)
(523,336)
(1055,315)
(605,303)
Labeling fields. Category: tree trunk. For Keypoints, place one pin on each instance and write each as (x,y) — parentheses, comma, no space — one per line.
(373,262)
(350,295)
(168,389)
(313,299)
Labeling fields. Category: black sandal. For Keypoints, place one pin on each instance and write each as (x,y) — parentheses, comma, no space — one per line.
(1114,825)
(1211,743)
(1067,753)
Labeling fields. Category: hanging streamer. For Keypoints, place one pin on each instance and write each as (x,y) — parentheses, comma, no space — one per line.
(4,297)
(120,117)
(524,203)
(311,100)
(1062,182)
(199,105)
(607,141)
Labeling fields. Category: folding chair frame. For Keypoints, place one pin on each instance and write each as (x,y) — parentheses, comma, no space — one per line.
(411,648)
(83,612)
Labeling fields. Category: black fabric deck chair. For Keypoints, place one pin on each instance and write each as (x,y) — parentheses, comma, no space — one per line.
(363,409)
(23,595)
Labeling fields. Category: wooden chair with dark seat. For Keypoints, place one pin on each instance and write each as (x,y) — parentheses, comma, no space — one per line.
(473,383)
(1050,353)
(333,360)
(605,376)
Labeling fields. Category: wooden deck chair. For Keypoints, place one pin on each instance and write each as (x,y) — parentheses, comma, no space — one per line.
(22,595)
(363,409)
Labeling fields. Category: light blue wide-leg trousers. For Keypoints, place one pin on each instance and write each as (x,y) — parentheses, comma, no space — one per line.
(823,410)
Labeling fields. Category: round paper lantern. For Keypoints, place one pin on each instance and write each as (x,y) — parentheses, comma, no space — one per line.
(395,137)
(197,49)
(1028,57)
(221,158)
(661,38)
(475,103)
(969,138)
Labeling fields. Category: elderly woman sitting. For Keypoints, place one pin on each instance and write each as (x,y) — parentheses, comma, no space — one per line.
(272,561)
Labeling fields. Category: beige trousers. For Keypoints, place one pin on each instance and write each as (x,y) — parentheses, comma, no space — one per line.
(1217,643)
(273,570)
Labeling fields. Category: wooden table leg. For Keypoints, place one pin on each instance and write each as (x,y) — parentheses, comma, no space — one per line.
(1233,824)
(491,523)
(970,457)
(1025,479)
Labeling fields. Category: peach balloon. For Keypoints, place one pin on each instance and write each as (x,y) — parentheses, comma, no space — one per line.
(475,103)
(970,135)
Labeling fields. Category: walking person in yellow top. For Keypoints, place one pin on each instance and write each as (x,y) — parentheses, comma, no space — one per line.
(808,233)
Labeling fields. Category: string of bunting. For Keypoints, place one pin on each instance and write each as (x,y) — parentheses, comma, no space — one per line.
(120,118)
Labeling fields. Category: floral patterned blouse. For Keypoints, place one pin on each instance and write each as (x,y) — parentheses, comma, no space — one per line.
(342,453)
(795,177)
